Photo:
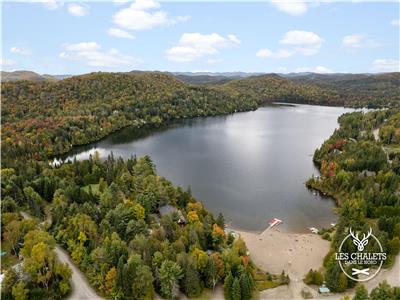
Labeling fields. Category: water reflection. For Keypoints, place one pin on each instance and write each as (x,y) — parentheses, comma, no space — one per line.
(251,166)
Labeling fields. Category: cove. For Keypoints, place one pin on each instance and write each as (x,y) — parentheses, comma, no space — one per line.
(250,166)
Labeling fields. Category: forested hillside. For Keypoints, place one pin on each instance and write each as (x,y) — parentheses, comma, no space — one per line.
(26,75)
(373,90)
(267,88)
(357,171)
(109,215)
(41,119)
(132,233)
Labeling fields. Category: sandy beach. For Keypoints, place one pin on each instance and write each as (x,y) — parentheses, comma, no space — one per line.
(275,250)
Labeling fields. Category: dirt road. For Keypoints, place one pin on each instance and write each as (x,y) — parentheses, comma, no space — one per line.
(81,290)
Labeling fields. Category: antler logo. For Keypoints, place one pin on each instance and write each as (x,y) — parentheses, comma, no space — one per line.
(364,241)
(363,263)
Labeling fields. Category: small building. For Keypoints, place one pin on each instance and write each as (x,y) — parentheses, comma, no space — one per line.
(324,289)
(169,210)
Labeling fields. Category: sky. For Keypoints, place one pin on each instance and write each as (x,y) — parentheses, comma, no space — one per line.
(54,37)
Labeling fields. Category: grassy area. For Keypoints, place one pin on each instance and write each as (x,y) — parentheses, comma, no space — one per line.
(266,281)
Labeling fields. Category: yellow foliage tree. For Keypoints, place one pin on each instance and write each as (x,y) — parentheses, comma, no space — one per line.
(110,280)
(192,217)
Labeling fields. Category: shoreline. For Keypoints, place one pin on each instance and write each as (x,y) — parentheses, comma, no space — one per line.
(275,250)
(279,228)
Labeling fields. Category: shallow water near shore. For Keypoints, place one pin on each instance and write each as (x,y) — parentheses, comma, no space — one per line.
(250,166)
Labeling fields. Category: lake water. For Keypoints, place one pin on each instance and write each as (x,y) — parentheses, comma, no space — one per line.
(250,166)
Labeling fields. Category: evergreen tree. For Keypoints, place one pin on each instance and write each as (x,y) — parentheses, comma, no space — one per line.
(228,283)
(236,292)
(245,286)
(170,272)
(220,221)
(382,292)
(210,273)
(361,293)
(192,284)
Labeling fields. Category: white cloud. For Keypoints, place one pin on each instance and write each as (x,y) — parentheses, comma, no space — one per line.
(395,22)
(386,65)
(300,37)
(291,7)
(117,32)
(299,42)
(303,42)
(144,14)
(48,4)
(192,46)
(134,19)
(89,53)
(21,51)
(317,69)
(5,63)
(78,10)
(266,53)
(84,46)
(358,41)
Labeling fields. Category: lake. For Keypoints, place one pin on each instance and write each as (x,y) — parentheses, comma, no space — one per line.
(250,166)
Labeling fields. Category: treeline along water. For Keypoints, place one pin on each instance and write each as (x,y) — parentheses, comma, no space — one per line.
(250,166)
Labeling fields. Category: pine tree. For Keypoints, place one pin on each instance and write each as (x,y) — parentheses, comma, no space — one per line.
(245,286)
(210,273)
(228,283)
(383,292)
(361,293)
(236,293)
(220,221)
(191,283)
(120,273)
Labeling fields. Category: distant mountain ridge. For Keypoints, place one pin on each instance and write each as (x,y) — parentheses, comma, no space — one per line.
(343,89)
(30,76)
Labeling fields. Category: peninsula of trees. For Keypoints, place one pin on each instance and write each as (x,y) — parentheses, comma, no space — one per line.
(360,169)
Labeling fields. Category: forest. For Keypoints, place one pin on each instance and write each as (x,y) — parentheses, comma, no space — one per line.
(364,179)
(110,214)
(42,119)
(46,118)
